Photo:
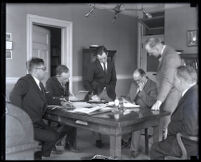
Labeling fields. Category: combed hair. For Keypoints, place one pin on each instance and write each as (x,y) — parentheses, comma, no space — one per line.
(61,69)
(34,62)
(188,73)
(100,50)
(153,41)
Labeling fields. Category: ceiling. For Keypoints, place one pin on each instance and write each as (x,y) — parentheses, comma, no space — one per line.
(149,7)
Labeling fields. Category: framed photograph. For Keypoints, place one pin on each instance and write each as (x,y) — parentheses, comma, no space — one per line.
(8,36)
(8,54)
(192,38)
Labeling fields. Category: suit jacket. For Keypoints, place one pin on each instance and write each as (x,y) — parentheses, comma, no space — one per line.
(170,60)
(146,97)
(27,95)
(55,90)
(96,79)
(185,120)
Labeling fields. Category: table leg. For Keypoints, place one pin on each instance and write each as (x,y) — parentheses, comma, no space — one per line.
(146,141)
(115,146)
(156,134)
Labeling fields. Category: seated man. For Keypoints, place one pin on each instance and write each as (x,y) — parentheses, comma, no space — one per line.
(143,92)
(58,94)
(29,94)
(184,119)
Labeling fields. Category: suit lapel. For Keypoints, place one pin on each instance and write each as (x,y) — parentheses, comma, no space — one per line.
(189,91)
(35,86)
(162,58)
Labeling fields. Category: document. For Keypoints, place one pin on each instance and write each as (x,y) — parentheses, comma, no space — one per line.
(130,105)
(85,110)
(82,104)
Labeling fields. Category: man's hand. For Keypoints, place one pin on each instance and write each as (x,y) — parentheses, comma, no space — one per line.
(95,98)
(140,86)
(156,106)
(67,105)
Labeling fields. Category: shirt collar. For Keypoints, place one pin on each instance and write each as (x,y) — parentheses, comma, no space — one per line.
(163,49)
(183,93)
(37,81)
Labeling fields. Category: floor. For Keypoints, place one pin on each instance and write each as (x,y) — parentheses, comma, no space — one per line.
(87,149)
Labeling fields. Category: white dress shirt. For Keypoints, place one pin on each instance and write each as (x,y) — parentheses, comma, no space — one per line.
(37,81)
(103,65)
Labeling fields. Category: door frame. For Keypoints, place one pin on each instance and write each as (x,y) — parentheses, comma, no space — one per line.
(66,39)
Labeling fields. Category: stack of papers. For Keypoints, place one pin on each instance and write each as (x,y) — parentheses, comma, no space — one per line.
(128,104)
(85,110)
(81,104)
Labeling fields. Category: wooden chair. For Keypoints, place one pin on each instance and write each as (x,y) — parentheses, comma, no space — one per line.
(184,155)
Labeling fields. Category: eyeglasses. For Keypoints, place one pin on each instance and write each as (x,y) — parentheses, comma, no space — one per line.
(42,68)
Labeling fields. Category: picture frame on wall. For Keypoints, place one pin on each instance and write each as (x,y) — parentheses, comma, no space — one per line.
(8,54)
(192,39)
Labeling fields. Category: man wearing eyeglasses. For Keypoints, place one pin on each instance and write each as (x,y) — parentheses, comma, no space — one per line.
(142,92)
(58,94)
(29,94)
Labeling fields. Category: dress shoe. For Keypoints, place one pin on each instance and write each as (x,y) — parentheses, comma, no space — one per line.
(69,147)
(38,155)
(56,151)
(99,143)
(134,154)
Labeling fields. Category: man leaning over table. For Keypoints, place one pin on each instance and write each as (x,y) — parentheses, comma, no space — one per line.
(142,92)
(58,94)
(168,96)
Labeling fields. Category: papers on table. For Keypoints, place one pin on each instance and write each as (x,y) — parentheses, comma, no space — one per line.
(81,104)
(88,110)
(130,105)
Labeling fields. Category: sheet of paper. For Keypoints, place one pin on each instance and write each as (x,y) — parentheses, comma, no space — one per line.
(81,104)
(85,110)
(128,104)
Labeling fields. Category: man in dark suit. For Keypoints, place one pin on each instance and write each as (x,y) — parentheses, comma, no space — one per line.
(101,77)
(101,80)
(58,94)
(168,96)
(142,92)
(184,119)
(29,94)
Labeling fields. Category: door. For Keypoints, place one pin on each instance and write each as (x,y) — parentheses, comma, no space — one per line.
(149,63)
(41,47)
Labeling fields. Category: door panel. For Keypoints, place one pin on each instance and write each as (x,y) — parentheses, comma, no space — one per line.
(41,47)
(149,63)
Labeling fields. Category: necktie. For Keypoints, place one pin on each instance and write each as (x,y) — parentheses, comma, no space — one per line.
(42,88)
(104,68)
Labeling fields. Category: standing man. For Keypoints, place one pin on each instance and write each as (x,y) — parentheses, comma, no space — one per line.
(142,92)
(58,90)
(168,96)
(184,119)
(29,94)
(101,80)
(101,77)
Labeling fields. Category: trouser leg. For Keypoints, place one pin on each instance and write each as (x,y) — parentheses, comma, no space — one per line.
(135,141)
(48,136)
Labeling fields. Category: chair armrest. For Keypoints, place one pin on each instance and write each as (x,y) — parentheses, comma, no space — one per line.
(181,145)
(192,138)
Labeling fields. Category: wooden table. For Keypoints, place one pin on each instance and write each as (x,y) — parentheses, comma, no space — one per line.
(107,124)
